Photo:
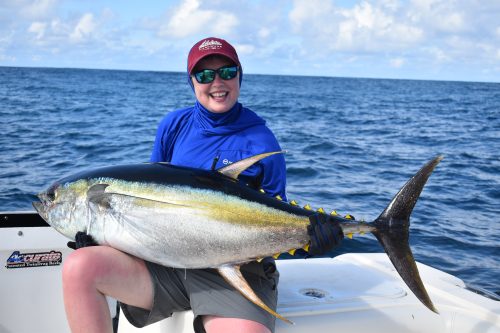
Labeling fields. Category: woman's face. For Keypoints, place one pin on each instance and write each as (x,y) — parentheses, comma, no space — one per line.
(220,95)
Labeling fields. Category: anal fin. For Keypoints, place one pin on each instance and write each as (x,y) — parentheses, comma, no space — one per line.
(232,274)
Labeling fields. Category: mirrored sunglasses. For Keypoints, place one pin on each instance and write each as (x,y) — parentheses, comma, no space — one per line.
(208,75)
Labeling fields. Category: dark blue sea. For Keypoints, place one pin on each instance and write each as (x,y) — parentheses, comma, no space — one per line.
(352,143)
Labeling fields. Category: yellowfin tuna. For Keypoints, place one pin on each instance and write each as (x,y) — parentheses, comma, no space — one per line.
(190,218)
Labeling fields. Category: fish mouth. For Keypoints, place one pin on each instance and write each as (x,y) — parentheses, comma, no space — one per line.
(42,206)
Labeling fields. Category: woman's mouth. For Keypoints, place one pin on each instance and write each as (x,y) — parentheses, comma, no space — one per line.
(219,95)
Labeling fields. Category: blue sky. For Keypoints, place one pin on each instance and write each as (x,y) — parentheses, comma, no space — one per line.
(419,39)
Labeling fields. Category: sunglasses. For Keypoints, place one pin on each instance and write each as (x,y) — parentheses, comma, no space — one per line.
(208,75)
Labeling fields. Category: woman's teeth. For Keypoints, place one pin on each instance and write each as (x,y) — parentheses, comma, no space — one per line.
(221,94)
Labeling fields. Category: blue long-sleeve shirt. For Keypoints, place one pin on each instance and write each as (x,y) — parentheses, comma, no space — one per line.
(194,137)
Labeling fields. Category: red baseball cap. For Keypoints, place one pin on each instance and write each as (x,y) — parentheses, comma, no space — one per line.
(209,46)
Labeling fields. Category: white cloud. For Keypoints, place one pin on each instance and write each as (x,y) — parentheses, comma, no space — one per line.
(84,29)
(453,22)
(38,28)
(244,49)
(30,9)
(437,55)
(365,27)
(439,16)
(6,58)
(430,31)
(264,33)
(189,19)
(397,62)
(303,11)
(306,36)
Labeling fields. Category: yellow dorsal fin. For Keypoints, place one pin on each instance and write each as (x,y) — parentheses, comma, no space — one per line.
(233,170)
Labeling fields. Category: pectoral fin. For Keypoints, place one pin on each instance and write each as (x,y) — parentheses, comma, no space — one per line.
(97,195)
(232,274)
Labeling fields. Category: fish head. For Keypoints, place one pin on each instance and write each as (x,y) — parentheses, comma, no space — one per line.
(64,207)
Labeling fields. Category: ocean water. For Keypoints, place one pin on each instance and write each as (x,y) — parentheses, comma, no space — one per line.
(352,143)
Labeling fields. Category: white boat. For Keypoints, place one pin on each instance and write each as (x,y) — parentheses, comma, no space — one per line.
(348,293)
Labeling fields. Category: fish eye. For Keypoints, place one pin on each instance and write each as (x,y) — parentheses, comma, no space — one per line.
(51,193)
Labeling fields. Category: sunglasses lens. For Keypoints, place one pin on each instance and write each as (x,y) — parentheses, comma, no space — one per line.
(205,76)
(228,73)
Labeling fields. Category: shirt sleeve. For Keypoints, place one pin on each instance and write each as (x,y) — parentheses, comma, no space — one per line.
(166,136)
(159,151)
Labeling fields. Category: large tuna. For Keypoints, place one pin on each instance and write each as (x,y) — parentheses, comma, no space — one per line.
(191,218)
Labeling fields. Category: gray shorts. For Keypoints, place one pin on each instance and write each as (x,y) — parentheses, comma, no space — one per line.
(207,293)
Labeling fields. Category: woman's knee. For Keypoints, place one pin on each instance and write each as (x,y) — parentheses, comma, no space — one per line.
(83,266)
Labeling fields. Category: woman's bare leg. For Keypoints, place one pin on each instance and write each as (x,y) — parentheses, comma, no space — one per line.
(90,273)
(214,324)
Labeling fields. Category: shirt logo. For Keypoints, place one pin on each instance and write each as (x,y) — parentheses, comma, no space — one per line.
(209,44)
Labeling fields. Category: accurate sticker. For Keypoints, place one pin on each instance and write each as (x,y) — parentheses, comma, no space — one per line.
(35,259)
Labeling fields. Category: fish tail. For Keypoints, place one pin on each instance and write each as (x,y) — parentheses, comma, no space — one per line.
(392,231)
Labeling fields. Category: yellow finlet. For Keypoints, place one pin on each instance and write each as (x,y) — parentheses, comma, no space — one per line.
(276,255)
(349,217)
(321,210)
(307,207)
(306,247)
(294,203)
(262,191)
(334,213)
(292,251)
(349,235)
(259,259)
(279,197)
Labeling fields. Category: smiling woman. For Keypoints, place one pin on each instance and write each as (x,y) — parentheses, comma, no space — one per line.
(214,132)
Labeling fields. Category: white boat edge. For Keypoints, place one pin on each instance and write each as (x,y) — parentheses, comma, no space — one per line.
(351,292)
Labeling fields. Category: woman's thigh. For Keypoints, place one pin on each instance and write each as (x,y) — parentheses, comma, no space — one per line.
(112,273)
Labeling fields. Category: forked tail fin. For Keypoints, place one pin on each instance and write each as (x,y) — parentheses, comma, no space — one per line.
(392,230)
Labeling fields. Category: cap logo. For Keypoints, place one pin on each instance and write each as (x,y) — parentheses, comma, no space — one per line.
(210,45)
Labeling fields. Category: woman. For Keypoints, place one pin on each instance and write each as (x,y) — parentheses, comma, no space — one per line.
(216,131)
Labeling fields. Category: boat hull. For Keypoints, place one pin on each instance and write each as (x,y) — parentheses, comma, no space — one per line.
(351,292)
